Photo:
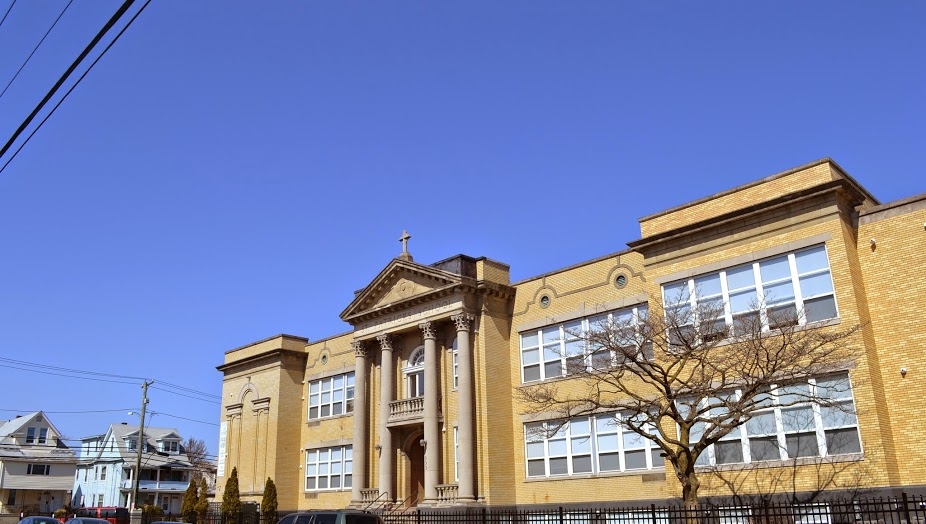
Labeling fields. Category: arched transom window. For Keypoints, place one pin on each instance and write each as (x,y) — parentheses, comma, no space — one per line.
(414,373)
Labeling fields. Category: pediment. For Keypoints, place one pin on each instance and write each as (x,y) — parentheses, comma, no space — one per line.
(401,283)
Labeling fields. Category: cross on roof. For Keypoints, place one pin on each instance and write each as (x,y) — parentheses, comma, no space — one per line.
(404,240)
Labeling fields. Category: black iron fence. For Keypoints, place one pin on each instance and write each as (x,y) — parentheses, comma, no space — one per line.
(887,510)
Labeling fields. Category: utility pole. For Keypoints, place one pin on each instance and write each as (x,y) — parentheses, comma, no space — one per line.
(141,441)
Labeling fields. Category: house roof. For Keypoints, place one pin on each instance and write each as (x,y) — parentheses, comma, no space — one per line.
(121,452)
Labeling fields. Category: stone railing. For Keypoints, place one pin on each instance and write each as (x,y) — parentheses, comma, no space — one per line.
(447,493)
(406,409)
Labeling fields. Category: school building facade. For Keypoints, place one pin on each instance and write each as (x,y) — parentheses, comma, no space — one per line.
(415,405)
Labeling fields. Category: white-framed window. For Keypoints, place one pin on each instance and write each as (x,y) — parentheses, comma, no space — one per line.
(30,435)
(99,500)
(103,473)
(331,396)
(328,468)
(586,445)
(815,418)
(170,446)
(38,469)
(43,435)
(456,363)
(552,351)
(782,289)
(414,373)
(456,453)
(133,443)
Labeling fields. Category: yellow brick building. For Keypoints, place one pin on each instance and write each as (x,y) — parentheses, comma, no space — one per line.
(416,405)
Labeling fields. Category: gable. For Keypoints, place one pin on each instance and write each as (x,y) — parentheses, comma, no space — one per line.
(400,283)
(406,286)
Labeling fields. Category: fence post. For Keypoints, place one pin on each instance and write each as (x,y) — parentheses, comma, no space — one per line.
(561,521)
(483,515)
(652,509)
(906,507)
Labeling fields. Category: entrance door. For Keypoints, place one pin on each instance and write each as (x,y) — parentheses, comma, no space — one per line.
(415,453)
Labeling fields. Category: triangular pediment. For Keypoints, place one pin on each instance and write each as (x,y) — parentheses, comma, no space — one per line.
(401,283)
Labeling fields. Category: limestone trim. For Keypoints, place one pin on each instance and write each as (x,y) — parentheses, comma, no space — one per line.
(245,389)
(328,373)
(357,310)
(618,266)
(233,410)
(360,349)
(385,342)
(892,209)
(825,160)
(261,404)
(836,186)
(583,311)
(319,444)
(787,247)
(428,329)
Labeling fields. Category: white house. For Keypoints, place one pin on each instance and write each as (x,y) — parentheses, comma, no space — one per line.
(105,470)
(36,466)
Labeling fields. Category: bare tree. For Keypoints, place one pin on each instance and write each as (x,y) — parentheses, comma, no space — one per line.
(686,378)
(198,454)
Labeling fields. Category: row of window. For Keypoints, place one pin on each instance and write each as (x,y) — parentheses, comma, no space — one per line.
(815,418)
(587,445)
(555,351)
(792,288)
(328,468)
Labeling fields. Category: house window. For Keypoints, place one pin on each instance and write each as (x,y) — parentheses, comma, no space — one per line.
(559,349)
(133,443)
(414,373)
(815,418)
(103,473)
(587,445)
(328,468)
(767,294)
(170,446)
(85,474)
(99,500)
(30,436)
(43,435)
(11,497)
(331,396)
(38,469)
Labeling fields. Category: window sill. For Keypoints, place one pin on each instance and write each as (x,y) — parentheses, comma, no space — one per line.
(801,461)
(610,474)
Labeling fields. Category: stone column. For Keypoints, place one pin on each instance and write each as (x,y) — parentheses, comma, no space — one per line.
(465,401)
(432,438)
(387,393)
(359,444)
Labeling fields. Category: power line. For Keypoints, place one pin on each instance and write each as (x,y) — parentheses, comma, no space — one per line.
(66,412)
(187,396)
(80,58)
(35,48)
(183,418)
(8,9)
(34,131)
(13,363)
(63,375)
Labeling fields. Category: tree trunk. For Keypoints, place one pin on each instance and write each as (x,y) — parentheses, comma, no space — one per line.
(686,474)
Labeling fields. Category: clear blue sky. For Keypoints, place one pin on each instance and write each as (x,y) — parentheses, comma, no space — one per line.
(232,170)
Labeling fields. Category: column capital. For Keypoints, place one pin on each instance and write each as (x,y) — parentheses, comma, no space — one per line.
(385,342)
(360,349)
(463,321)
(428,329)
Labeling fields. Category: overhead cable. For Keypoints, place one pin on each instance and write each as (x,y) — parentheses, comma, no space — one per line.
(34,49)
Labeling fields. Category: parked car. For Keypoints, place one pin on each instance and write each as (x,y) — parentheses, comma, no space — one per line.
(87,520)
(111,514)
(39,520)
(339,516)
